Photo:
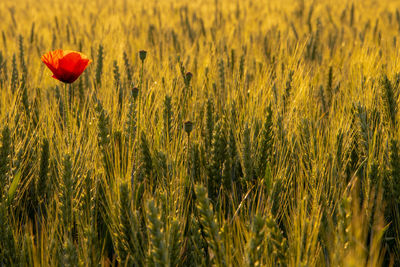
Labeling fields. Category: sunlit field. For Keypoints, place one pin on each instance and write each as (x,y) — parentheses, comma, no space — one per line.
(199,133)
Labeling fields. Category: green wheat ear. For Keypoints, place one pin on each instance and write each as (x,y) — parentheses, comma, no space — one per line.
(14,74)
(265,152)
(158,254)
(117,84)
(174,243)
(247,156)
(255,246)
(195,162)
(145,165)
(216,163)
(3,69)
(103,136)
(128,70)
(209,225)
(125,236)
(277,244)
(389,99)
(131,122)
(8,252)
(167,118)
(5,152)
(209,124)
(67,188)
(70,256)
(22,57)
(241,66)
(99,66)
(42,183)
(221,74)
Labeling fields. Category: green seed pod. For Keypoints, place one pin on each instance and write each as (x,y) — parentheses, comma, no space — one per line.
(135,92)
(188,78)
(142,55)
(188,127)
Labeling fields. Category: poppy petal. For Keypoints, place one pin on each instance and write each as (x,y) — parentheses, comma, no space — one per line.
(51,59)
(72,65)
(66,65)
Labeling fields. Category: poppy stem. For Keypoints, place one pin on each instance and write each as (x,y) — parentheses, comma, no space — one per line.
(139,106)
(188,154)
(140,88)
(66,107)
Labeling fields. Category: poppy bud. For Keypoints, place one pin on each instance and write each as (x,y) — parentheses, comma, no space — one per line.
(142,55)
(135,92)
(188,127)
(188,78)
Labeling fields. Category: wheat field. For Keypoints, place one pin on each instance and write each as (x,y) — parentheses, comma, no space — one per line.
(203,133)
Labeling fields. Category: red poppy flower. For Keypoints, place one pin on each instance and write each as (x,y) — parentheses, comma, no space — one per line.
(66,65)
